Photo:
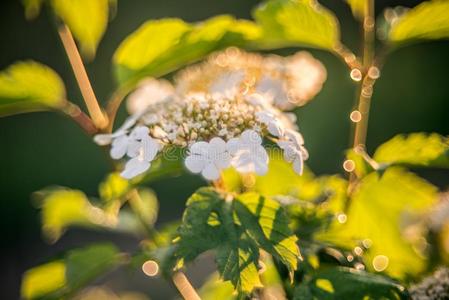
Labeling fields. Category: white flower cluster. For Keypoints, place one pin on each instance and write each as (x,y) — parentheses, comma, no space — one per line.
(221,111)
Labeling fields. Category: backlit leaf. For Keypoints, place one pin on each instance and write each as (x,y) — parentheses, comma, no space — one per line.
(380,209)
(62,208)
(358,7)
(30,86)
(43,280)
(236,229)
(59,278)
(161,46)
(87,19)
(427,21)
(416,149)
(297,22)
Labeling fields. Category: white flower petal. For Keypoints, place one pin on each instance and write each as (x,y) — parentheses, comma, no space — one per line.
(210,172)
(298,165)
(295,137)
(150,148)
(140,132)
(233,145)
(201,148)
(250,136)
(195,163)
(134,148)
(223,161)
(119,147)
(103,139)
(134,167)
(275,128)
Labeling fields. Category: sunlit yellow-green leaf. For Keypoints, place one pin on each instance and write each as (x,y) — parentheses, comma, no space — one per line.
(30,86)
(161,46)
(63,208)
(267,223)
(416,149)
(43,280)
(379,211)
(215,288)
(427,21)
(358,7)
(113,187)
(59,278)
(87,19)
(297,22)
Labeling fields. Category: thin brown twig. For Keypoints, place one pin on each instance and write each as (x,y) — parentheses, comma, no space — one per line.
(76,114)
(364,99)
(82,79)
(114,105)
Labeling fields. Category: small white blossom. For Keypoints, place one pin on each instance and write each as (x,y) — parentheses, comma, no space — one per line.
(107,138)
(208,158)
(248,154)
(294,151)
(142,149)
(274,126)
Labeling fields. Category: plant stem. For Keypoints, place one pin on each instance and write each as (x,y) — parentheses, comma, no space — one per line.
(364,97)
(76,114)
(113,106)
(82,79)
(184,287)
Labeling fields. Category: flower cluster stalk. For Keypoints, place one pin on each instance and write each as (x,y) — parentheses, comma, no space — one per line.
(82,79)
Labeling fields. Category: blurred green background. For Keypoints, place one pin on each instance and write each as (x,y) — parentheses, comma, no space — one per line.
(42,149)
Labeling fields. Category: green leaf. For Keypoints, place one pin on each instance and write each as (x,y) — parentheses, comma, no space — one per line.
(380,208)
(43,280)
(87,19)
(63,277)
(62,208)
(161,46)
(427,21)
(358,8)
(30,86)
(236,229)
(215,288)
(266,222)
(237,262)
(345,283)
(297,22)
(113,187)
(86,264)
(416,149)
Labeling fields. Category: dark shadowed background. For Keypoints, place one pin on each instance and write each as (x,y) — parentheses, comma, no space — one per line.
(42,149)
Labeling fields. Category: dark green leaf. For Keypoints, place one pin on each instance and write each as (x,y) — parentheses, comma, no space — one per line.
(345,283)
